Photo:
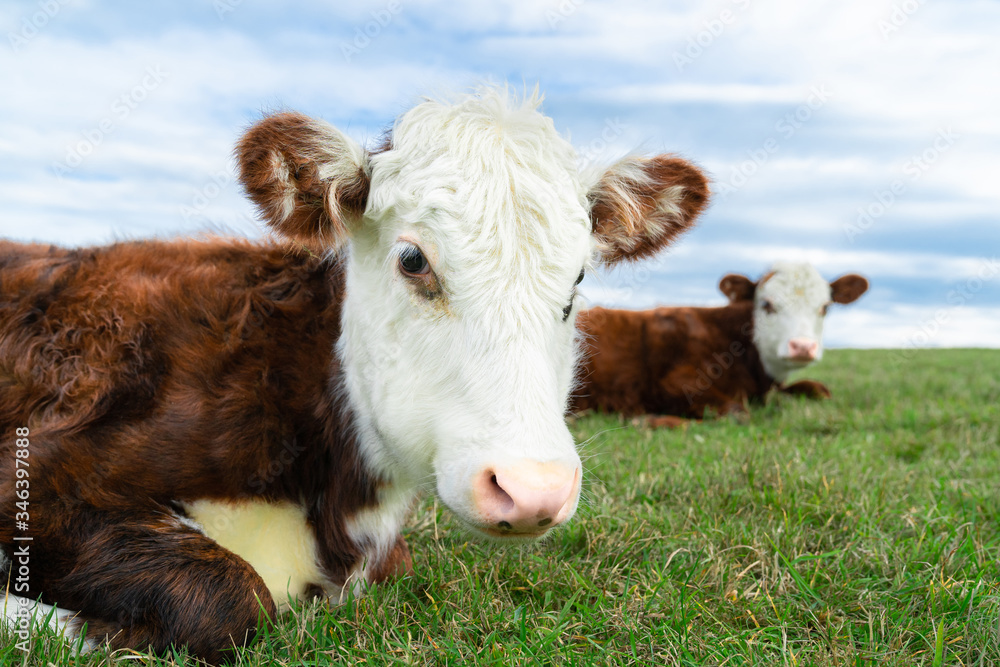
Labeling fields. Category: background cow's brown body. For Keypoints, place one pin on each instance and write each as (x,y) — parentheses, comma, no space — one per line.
(167,372)
(670,361)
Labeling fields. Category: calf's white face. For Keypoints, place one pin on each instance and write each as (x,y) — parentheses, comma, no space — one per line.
(790,303)
(465,236)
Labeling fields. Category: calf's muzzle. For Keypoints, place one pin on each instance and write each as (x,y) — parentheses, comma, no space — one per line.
(802,349)
(525,498)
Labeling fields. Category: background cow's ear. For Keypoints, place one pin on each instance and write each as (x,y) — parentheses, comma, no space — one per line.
(846,289)
(640,205)
(737,287)
(308,179)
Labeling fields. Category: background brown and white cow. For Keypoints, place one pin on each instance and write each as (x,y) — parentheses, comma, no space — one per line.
(216,426)
(679,362)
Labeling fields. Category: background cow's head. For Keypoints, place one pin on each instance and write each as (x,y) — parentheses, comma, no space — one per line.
(790,302)
(465,235)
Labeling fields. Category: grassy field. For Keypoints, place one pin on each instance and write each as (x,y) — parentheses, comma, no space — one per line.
(861,530)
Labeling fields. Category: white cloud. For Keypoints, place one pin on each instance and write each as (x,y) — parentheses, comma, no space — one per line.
(913,327)
(94,135)
(726,93)
(830,262)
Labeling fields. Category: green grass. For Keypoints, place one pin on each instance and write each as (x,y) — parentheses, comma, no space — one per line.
(861,530)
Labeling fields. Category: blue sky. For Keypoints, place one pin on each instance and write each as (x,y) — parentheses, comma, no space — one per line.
(861,135)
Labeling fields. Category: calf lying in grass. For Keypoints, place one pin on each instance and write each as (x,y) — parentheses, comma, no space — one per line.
(679,363)
(194,432)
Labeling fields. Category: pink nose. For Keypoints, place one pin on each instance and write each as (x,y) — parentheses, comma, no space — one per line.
(526,497)
(802,349)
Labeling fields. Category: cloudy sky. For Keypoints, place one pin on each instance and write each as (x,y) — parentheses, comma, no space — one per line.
(860,135)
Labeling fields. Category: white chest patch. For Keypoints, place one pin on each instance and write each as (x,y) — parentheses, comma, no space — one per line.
(274,538)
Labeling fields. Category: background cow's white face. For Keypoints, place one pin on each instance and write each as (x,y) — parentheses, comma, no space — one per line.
(468,232)
(790,303)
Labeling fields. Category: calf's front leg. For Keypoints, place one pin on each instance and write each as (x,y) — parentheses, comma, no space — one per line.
(664,421)
(808,388)
(141,579)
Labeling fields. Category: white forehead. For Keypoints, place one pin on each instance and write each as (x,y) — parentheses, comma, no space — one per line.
(793,284)
(489,183)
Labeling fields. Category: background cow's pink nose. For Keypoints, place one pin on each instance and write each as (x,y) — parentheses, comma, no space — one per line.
(526,496)
(803,349)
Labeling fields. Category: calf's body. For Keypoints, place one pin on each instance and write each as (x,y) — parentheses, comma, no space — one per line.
(157,379)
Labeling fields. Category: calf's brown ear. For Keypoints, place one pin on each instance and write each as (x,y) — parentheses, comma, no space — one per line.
(737,287)
(640,205)
(846,289)
(308,179)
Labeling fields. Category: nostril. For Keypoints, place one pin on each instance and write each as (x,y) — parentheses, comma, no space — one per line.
(544,522)
(505,525)
(502,499)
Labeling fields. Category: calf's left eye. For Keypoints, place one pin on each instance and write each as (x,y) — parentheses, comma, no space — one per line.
(412,262)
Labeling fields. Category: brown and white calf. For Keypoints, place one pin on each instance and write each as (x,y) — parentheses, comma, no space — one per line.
(214,427)
(678,362)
